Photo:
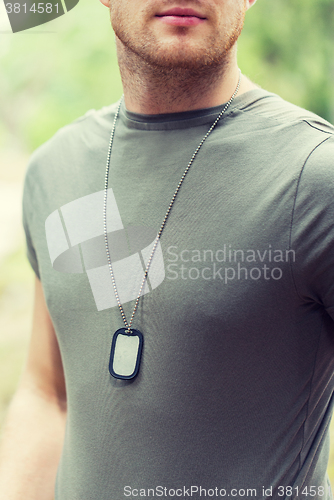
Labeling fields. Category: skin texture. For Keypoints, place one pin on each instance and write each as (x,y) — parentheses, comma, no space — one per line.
(167,68)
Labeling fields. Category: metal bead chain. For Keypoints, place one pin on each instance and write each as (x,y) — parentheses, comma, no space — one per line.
(128,325)
(106,182)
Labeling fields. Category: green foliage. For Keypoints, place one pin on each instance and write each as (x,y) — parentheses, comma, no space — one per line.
(49,78)
(288,48)
(15,271)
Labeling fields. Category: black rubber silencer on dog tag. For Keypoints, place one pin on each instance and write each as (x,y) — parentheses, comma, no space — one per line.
(126,349)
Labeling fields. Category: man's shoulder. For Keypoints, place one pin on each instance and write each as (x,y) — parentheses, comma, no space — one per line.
(93,122)
(85,133)
(272,108)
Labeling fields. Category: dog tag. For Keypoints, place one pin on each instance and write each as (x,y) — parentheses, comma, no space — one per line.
(125,353)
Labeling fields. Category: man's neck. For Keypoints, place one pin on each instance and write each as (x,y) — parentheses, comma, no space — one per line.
(156,90)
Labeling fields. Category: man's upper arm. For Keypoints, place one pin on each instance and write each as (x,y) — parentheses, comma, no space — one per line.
(43,372)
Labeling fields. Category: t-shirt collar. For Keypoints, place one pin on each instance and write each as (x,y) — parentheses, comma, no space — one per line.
(185,119)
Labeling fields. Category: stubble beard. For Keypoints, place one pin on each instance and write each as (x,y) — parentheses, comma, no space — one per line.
(180,70)
(212,52)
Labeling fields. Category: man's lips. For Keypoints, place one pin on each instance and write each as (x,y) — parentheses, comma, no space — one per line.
(181,17)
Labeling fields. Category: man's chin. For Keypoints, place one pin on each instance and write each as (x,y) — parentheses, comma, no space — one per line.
(171,57)
(185,63)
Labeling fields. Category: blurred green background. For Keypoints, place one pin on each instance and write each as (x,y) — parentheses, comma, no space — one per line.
(51,74)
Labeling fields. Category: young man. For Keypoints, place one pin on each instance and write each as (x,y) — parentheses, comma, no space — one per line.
(219,379)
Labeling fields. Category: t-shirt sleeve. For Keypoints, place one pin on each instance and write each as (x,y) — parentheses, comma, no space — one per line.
(27,214)
(312,229)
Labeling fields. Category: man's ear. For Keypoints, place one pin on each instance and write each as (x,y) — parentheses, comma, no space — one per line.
(106,3)
(249,3)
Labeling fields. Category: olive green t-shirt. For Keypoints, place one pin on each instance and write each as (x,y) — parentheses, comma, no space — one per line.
(234,393)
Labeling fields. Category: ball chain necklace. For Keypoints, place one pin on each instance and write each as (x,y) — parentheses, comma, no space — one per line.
(127,343)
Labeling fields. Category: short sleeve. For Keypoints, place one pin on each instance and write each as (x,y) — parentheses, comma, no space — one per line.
(312,230)
(27,214)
